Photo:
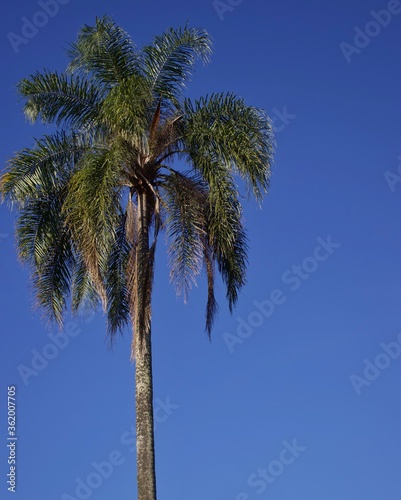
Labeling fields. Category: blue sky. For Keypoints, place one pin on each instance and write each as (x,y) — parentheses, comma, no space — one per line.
(297,395)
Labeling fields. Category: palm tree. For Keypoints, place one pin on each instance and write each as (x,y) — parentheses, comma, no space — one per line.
(94,195)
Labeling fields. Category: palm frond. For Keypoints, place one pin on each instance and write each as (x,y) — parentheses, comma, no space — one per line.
(184,200)
(52,279)
(83,291)
(92,208)
(224,137)
(60,99)
(45,244)
(105,52)
(237,135)
(118,310)
(226,232)
(225,229)
(211,305)
(38,227)
(125,109)
(41,169)
(169,61)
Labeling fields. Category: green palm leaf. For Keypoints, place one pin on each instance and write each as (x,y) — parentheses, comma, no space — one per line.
(52,280)
(105,52)
(83,292)
(60,99)
(118,306)
(169,61)
(211,304)
(36,171)
(227,236)
(130,122)
(184,200)
(235,134)
(44,243)
(92,210)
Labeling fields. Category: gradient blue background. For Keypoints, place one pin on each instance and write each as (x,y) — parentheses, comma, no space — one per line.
(290,379)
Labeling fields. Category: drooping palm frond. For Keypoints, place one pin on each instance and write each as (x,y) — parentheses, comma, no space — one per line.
(38,170)
(83,292)
(52,279)
(38,227)
(211,304)
(60,99)
(44,243)
(105,52)
(118,309)
(169,61)
(226,234)
(92,209)
(37,181)
(238,136)
(185,203)
(184,200)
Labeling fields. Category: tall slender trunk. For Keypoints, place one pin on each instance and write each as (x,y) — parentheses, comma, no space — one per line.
(146,473)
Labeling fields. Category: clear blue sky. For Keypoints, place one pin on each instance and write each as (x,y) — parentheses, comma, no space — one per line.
(299,372)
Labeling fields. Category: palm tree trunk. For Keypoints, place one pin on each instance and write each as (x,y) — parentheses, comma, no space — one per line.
(146,473)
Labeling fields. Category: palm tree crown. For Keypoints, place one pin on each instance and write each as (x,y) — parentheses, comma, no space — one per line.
(123,120)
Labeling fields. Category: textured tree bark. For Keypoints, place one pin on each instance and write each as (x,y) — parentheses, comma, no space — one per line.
(146,472)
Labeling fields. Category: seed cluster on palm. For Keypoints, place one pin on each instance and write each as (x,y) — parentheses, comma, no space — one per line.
(133,157)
